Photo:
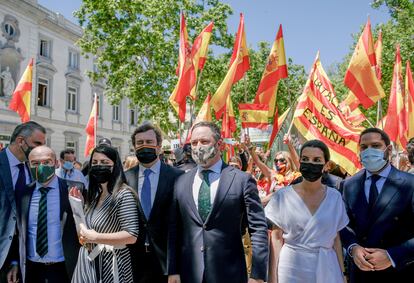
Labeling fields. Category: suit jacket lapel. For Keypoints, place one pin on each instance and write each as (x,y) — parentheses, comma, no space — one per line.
(159,194)
(64,201)
(7,178)
(388,192)
(360,203)
(26,197)
(189,181)
(226,179)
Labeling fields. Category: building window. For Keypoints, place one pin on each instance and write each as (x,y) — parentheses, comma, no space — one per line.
(9,28)
(72,99)
(115,113)
(73,59)
(45,48)
(42,92)
(132,117)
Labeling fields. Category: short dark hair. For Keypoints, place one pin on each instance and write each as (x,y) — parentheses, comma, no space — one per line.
(105,141)
(383,134)
(411,140)
(318,144)
(66,151)
(213,127)
(26,130)
(147,127)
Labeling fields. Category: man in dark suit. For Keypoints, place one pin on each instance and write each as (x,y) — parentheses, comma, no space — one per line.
(14,174)
(48,242)
(153,181)
(212,205)
(380,204)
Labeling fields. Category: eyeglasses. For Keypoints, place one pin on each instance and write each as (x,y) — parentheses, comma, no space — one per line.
(281,160)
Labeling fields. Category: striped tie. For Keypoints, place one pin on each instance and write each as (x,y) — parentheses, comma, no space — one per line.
(41,238)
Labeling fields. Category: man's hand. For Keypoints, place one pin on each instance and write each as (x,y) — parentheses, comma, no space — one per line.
(379,258)
(251,280)
(359,253)
(174,278)
(12,274)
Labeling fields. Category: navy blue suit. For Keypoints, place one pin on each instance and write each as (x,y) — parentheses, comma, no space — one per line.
(212,251)
(389,226)
(7,208)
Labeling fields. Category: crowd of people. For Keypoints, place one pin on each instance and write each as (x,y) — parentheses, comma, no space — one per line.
(188,216)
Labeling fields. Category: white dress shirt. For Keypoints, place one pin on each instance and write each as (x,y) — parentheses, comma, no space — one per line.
(153,177)
(214,178)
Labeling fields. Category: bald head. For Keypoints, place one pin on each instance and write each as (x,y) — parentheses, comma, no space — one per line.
(42,154)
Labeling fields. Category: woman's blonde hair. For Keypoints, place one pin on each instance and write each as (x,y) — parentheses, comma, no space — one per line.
(289,159)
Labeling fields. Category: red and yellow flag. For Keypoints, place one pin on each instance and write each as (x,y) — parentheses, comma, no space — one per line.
(21,98)
(409,92)
(186,76)
(378,56)
(360,77)
(228,124)
(317,117)
(91,129)
(254,115)
(275,70)
(395,125)
(200,47)
(277,124)
(205,111)
(239,64)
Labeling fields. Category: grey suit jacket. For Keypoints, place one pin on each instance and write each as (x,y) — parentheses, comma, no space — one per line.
(212,251)
(7,208)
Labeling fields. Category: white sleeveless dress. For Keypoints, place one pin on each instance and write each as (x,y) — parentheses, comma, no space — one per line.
(307,254)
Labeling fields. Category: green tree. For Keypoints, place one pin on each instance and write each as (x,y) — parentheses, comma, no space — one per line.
(136,46)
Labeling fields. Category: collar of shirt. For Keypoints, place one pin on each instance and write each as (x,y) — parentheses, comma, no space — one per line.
(216,167)
(13,161)
(154,168)
(53,184)
(384,173)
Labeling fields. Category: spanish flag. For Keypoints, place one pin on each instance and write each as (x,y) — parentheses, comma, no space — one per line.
(396,124)
(277,124)
(378,56)
(200,47)
(409,92)
(91,129)
(360,77)
(186,76)
(205,111)
(239,64)
(21,98)
(228,124)
(275,70)
(317,117)
(254,115)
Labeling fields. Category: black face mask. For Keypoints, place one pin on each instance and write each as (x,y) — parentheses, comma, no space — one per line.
(101,173)
(146,155)
(27,150)
(311,171)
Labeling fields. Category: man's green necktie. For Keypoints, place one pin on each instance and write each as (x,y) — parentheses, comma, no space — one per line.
(41,238)
(204,199)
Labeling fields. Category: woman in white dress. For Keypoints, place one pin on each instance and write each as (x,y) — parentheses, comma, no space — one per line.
(307,218)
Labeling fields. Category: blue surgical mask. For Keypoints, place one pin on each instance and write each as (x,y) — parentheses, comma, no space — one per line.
(67,165)
(373,159)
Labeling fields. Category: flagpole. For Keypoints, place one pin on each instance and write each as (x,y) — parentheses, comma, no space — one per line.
(95,118)
(192,110)
(245,97)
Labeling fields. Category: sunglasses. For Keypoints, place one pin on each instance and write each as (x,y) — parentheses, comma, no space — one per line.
(281,160)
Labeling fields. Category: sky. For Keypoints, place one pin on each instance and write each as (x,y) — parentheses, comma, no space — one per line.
(308,25)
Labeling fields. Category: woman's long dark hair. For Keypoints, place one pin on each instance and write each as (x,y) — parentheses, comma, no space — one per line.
(116,180)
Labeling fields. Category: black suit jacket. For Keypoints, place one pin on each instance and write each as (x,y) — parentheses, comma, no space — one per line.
(213,249)
(389,226)
(69,235)
(155,229)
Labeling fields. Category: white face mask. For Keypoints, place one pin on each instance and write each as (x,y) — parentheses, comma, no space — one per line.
(373,159)
(203,153)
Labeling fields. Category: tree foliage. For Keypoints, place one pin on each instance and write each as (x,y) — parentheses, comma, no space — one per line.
(398,30)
